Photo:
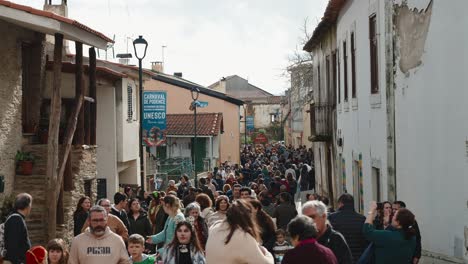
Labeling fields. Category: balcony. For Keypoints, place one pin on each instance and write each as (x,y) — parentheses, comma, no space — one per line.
(321,122)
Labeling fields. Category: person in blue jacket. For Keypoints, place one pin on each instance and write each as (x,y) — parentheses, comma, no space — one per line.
(171,206)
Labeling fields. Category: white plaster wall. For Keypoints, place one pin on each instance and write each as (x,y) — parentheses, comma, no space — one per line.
(128,148)
(106,138)
(362,127)
(262,113)
(432,130)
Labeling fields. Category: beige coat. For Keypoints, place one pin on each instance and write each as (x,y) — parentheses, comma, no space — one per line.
(242,249)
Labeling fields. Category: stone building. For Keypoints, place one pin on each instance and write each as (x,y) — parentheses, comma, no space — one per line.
(22,108)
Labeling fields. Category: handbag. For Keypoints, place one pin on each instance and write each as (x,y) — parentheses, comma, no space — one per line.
(368,256)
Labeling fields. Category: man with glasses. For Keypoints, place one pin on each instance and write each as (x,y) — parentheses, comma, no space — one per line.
(98,244)
(326,235)
(113,222)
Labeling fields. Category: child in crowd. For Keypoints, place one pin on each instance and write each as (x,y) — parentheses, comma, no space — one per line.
(136,246)
(281,246)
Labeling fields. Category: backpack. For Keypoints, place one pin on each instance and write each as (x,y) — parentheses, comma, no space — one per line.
(2,237)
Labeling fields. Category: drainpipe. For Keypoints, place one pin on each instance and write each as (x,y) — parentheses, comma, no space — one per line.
(211,152)
(390,101)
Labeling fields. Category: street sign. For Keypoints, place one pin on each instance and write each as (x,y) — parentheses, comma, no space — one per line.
(202,104)
(154,117)
(249,120)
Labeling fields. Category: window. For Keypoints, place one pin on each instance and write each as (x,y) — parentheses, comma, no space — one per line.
(129,103)
(376,191)
(353,66)
(312,119)
(345,72)
(374,67)
(357,190)
(327,75)
(274,118)
(87,187)
(335,87)
(318,85)
(338,77)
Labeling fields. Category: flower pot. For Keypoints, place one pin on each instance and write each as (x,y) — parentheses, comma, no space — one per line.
(25,167)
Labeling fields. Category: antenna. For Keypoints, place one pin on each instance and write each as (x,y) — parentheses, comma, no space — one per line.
(162,48)
(109,46)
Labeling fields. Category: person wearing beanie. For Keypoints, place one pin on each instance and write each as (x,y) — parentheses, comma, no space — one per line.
(36,255)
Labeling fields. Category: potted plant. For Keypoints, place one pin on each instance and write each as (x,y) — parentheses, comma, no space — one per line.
(24,162)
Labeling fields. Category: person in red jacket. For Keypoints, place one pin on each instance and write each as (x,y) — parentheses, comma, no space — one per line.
(304,239)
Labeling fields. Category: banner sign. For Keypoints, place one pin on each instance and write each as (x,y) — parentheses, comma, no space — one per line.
(154,117)
(250,123)
(202,104)
(261,139)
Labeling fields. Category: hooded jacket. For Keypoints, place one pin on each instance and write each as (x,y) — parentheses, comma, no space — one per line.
(141,225)
(88,249)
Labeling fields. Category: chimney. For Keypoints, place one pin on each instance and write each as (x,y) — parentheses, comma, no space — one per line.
(178,74)
(222,86)
(157,66)
(61,10)
(124,58)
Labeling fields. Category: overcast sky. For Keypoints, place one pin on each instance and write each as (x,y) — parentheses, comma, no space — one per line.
(205,39)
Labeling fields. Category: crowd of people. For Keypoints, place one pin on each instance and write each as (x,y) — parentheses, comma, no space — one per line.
(238,213)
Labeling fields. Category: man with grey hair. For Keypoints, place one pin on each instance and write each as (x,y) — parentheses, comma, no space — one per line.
(115,224)
(328,237)
(16,237)
(98,244)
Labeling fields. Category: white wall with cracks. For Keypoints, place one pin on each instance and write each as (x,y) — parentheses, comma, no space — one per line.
(431,77)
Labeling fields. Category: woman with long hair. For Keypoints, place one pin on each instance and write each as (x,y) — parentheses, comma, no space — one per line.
(193,211)
(396,244)
(139,221)
(206,206)
(81,214)
(57,252)
(184,248)
(266,224)
(221,207)
(171,205)
(383,220)
(236,239)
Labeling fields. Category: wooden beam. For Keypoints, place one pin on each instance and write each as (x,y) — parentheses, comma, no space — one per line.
(53,146)
(92,93)
(80,129)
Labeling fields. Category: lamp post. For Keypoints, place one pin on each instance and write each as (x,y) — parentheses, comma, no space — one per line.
(140,45)
(195,92)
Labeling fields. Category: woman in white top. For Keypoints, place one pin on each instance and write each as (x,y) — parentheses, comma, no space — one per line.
(236,239)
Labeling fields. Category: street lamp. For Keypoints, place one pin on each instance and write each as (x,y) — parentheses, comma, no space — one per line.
(195,93)
(140,45)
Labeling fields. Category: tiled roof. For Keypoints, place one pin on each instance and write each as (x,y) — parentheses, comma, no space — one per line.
(208,124)
(329,19)
(51,15)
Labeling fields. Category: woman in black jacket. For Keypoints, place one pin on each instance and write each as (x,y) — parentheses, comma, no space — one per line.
(81,214)
(139,221)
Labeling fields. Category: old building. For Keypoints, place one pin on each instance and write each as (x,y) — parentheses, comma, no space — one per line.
(400,101)
(218,131)
(261,107)
(31,114)
(300,97)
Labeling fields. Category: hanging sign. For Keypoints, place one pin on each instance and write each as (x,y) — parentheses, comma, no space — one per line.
(154,117)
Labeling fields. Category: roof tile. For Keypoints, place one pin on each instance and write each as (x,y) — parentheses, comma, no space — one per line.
(208,124)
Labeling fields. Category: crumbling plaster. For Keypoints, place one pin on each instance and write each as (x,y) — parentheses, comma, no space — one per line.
(411,27)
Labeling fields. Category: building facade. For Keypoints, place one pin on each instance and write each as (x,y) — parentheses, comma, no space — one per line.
(400,99)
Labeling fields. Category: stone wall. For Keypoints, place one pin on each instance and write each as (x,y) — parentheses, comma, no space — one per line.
(10,97)
(84,169)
